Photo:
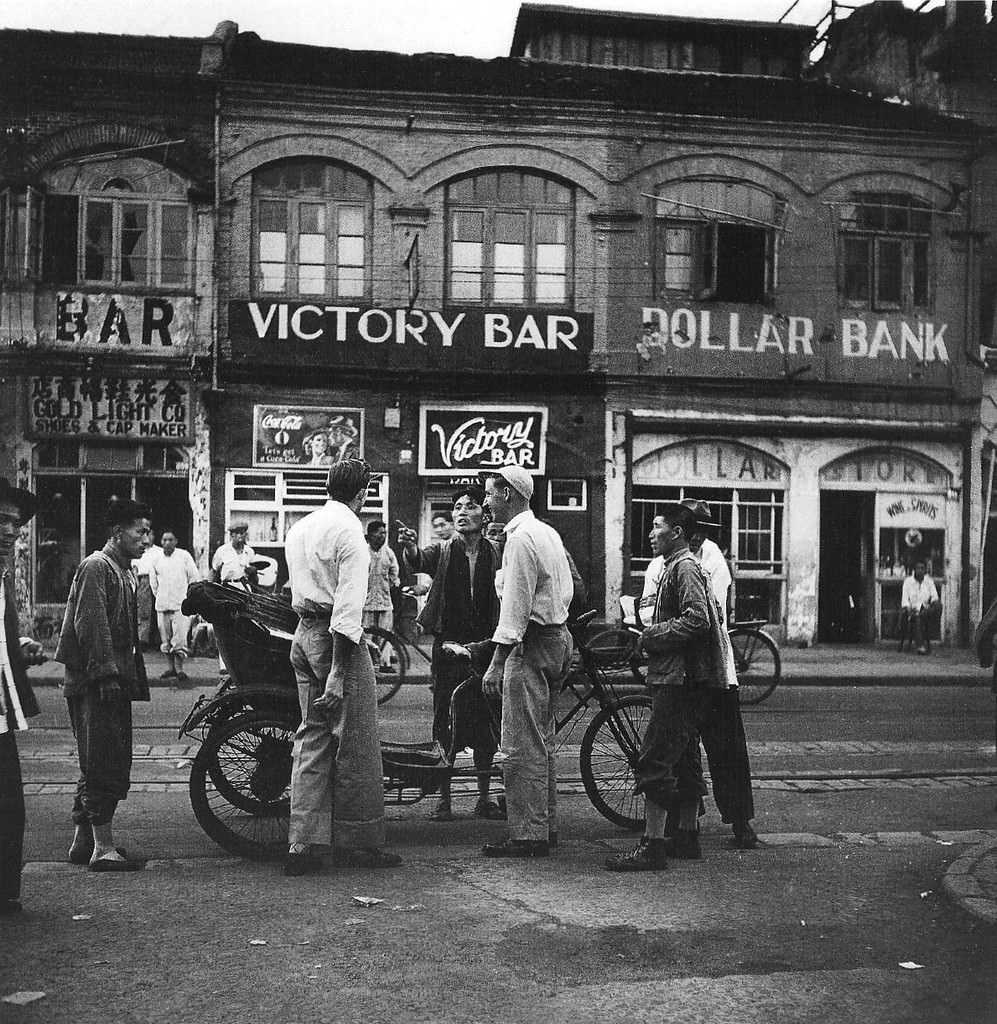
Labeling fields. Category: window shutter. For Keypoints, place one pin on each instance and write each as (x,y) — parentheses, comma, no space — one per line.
(60,239)
(33,234)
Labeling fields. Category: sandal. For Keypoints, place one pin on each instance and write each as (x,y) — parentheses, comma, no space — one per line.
(112,864)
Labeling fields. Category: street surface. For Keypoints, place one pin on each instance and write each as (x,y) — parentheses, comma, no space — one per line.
(864,796)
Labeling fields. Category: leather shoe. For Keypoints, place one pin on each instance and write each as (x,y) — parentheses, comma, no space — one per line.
(488,808)
(368,857)
(517,848)
(647,855)
(744,837)
(684,845)
(297,864)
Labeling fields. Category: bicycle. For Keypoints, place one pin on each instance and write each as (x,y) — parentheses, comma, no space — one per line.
(399,658)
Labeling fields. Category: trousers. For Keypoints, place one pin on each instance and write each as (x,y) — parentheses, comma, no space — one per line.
(337,789)
(722,733)
(668,765)
(103,731)
(533,675)
(11,818)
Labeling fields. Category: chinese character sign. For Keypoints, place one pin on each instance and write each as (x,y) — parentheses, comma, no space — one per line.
(459,439)
(305,436)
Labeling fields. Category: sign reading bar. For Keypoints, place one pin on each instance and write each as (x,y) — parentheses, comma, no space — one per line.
(455,439)
(164,324)
(285,435)
(109,408)
(301,333)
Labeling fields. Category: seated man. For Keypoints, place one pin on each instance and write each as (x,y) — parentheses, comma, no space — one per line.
(919,607)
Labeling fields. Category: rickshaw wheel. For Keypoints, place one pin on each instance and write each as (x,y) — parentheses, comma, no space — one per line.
(240,784)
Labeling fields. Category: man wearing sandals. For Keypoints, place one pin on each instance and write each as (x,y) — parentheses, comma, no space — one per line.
(100,648)
(462,607)
(336,769)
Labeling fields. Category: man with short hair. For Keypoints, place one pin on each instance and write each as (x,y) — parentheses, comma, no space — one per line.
(17,701)
(532,657)
(462,608)
(920,606)
(337,750)
(443,527)
(145,599)
(169,576)
(382,577)
(232,559)
(100,649)
(687,660)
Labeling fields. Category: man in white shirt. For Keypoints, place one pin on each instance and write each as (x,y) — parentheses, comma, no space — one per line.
(144,596)
(337,751)
(232,559)
(531,658)
(169,576)
(382,576)
(919,606)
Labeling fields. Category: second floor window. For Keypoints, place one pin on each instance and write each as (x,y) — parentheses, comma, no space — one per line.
(510,239)
(715,239)
(885,250)
(312,229)
(117,223)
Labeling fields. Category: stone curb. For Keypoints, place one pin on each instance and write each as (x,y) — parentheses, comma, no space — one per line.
(963,885)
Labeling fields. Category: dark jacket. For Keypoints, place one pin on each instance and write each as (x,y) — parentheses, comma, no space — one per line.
(10,624)
(684,644)
(99,638)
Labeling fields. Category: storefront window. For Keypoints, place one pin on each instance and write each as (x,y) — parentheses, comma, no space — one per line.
(750,535)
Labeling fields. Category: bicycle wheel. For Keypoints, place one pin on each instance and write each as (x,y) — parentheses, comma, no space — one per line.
(240,785)
(390,661)
(757,663)
(608,758)
(618,650)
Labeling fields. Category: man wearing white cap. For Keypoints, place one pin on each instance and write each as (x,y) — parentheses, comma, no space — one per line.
(532,655)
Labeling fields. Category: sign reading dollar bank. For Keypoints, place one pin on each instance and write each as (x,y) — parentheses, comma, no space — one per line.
(457,439)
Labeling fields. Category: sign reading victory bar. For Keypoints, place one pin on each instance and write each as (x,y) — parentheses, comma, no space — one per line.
(311,334)
(455,439)
(109,408)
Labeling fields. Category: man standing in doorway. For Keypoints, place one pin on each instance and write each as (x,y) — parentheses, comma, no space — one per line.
(531,659)
(169,576)
(462,608)
(920,606)
(17,702)
(337,751)
(382,577)
(100,649)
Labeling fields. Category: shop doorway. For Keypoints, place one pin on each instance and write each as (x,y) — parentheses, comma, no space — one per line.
(846,604)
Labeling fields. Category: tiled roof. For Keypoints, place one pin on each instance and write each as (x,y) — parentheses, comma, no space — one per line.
(687,93)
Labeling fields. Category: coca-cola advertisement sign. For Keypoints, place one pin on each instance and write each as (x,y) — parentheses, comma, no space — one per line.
(456,439)
(291,435)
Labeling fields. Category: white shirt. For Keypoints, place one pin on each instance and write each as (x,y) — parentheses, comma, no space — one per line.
(713,561)
(918,595)
(536,579)
(381,577)
(8,691)
(327,561)
(231,563)
(140,566)
(170,576)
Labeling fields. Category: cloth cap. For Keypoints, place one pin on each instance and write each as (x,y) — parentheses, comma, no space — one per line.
(239,526)
(701,513)
(26,502)
(518,479)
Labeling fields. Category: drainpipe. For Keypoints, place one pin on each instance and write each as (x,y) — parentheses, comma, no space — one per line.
(216,237)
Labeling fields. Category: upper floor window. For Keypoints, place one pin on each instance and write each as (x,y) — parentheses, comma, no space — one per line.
(117,222)
(510,239)
(715,239)
(312,229)
(885,250)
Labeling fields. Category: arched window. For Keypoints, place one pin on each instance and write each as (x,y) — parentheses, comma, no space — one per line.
(510,239)
(885,250)
(117,222)
(312,229)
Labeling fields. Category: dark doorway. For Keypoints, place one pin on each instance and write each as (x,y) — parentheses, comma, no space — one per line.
(846,595)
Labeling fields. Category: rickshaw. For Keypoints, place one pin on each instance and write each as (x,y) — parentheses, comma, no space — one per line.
(240,778)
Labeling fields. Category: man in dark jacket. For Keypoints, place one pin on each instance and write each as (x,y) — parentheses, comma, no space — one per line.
(686,664)
(101,650)
(17,702)
(461,608)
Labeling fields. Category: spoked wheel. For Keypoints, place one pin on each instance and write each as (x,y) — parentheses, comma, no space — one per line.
(757,663)
(608,759)
(390,661)
(240,785)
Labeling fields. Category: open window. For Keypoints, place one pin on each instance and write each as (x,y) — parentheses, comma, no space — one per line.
(715,239)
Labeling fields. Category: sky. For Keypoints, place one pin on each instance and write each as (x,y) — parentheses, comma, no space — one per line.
(478,28)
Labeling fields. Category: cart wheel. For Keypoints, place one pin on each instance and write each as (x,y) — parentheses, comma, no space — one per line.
(240,785)
(757,664)
(608,756)
(390,660)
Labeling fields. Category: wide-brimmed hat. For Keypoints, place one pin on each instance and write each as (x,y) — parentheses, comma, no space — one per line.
(700,513)
(26,502)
